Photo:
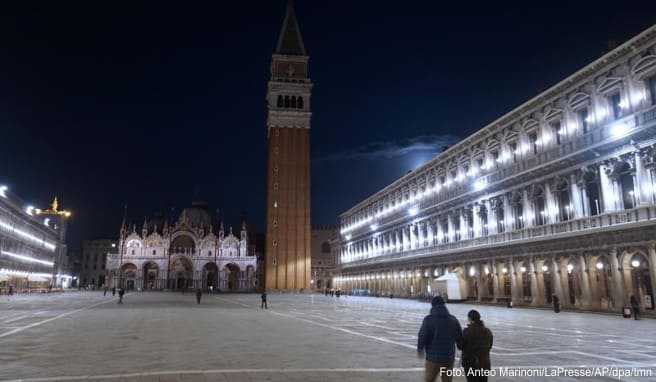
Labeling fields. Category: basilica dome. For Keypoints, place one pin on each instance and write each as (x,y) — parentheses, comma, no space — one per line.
(197,215)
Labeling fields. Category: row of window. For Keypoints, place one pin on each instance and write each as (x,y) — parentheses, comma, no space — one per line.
(290,102)
(584,120)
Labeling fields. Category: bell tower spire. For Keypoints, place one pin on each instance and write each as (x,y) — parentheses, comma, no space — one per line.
(287,265)
(290,41)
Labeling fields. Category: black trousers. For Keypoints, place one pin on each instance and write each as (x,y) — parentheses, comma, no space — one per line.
(264,305)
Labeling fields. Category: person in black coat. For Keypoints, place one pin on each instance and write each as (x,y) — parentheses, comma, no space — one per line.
(556,303)
(635,307)
(199,293)
(264,301)
(476,344)
(121,292)
(437,338)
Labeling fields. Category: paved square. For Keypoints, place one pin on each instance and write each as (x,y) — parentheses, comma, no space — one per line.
(168,337)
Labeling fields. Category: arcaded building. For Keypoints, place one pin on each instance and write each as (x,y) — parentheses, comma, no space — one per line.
(194,251)
(555,198)
(33,252)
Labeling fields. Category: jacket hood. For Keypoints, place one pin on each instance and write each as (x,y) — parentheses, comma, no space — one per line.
(439,310)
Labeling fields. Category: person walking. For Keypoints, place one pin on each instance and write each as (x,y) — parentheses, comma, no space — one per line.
(439,333)
(556,303)
(121,292)
(635,307)
(264,301)
(113,291)
(199,294)
(475,345)
(105,289)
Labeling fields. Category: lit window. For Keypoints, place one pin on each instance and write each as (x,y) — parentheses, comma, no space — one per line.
(615,100)
(583,119)
(651,84)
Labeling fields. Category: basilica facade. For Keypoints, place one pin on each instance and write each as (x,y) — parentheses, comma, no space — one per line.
(555,199)
(190,253)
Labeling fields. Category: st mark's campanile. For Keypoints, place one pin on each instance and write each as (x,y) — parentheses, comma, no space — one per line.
(288,162)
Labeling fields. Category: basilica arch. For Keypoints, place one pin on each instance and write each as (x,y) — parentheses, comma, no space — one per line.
(181,274)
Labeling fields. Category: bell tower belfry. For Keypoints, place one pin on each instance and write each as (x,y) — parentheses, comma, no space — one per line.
(287,265)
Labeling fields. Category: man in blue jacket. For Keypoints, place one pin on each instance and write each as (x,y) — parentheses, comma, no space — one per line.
(437,337)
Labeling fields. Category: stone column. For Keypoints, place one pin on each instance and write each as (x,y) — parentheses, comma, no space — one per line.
(586,297)
(556,280)
(576,198)
(430,233)
(451,227)
(564,279)
(617,284)
(607,190)
(541,300)
(495,280)
(535,292)
(477,220)
(482,286)
(528,210)
(642,186)
(491,218)
(514,288)
(652,267)
(550,204)
(509,214)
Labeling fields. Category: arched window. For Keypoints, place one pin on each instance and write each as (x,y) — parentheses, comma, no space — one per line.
(627,186)
(286,101)
(280,101)
(325,247)
(518,212)
(564,202)
(154,252)
(293,102)
(300,103)
(592,193)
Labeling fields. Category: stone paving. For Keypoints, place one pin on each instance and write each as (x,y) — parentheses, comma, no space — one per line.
(168,337)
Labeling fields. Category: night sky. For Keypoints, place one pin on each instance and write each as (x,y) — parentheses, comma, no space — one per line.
(155,105)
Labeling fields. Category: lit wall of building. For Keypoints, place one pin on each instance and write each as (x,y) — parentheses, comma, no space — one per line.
(32,245)
(557,197)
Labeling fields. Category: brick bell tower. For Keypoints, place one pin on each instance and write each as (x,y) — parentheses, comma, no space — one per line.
(287,264)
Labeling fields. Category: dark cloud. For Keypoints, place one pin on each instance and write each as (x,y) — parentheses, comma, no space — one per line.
(428,145)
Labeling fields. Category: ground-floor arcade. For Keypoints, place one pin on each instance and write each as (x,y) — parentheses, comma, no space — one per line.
(599,272)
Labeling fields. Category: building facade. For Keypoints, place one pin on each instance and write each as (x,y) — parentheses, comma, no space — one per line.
(187,254)
(32,245)
(324,261)
(555,198)
(287,252)
(93,262)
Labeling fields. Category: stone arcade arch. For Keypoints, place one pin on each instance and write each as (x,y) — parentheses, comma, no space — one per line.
(151,279)
(128,276)
(181,273)
(231,281)
(210,276)
(638,281)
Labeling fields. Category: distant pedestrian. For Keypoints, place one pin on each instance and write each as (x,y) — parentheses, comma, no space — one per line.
(475,345)
(199,293)
(635,307)
(556,304)
(105,291)
(113,291)
(264,304)
(325,291)
(211,289)
(437,337)
(121,292)
(11,290)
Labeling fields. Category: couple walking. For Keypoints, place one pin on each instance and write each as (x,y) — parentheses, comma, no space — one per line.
(440,333)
